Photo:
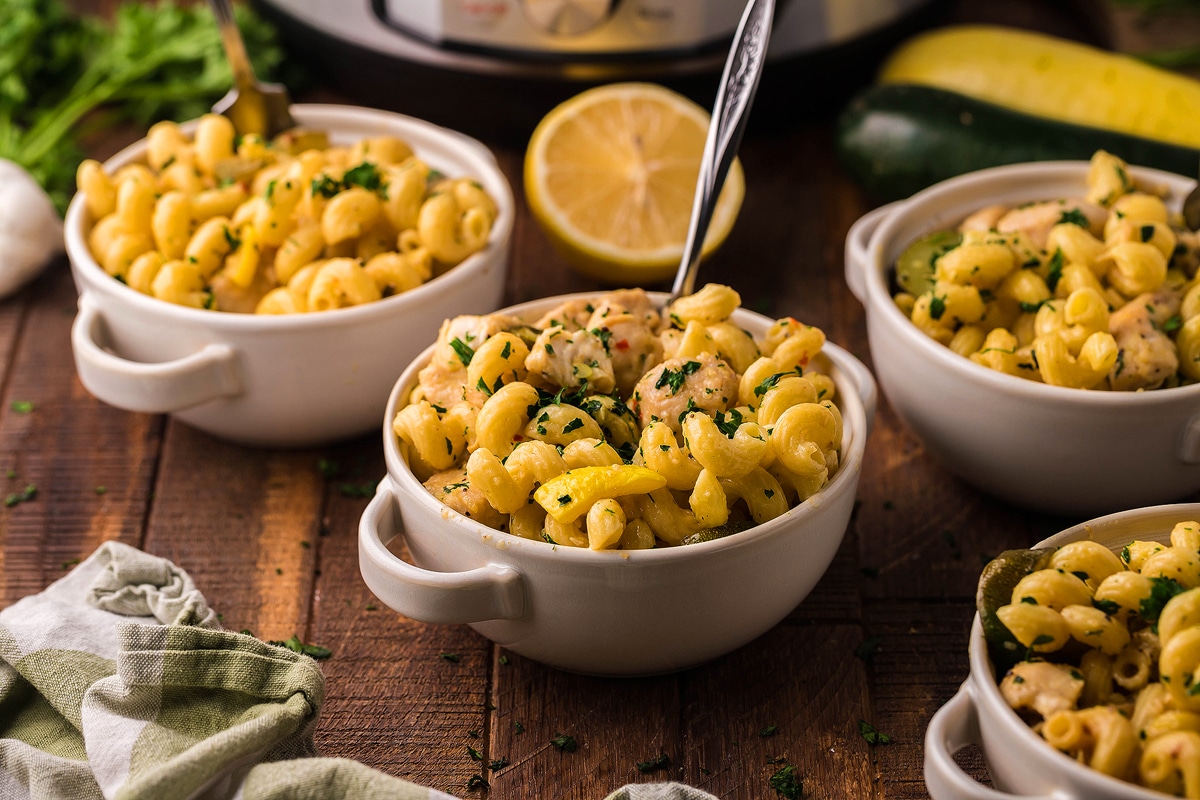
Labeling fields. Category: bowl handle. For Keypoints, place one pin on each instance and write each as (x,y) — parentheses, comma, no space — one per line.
(1189,443)
(495,591)
(858,259)
(952,728)
(207,375)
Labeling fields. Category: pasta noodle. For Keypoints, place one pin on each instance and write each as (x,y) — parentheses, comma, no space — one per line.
(1088,294)
(568,446)
(248,216)
(1128,705)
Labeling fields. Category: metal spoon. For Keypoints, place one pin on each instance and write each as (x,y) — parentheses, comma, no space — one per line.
(1191,208)
(739,81)
(252,107)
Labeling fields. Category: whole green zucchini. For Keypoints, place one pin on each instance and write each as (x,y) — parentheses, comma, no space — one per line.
(896,139)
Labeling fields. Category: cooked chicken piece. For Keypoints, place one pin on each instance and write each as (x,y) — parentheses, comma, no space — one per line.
(631,346)
(461,336)
(443,383)
(705,383)
(1042,687)
(1036,219)
(453,489)
(629,301)
(984,219)
(571,315)
(1147,355)
(568,358)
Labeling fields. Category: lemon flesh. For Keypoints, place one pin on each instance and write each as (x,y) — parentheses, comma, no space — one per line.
(610,176)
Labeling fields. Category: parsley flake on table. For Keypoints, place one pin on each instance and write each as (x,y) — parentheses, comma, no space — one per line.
(497,764)
(872,736)
(770,730)
(357,489)
(474,754)
(477,782)
(661,761)
(296,646)
(23,496)
(564,743)
(786,783)
(453,658)
(21,406)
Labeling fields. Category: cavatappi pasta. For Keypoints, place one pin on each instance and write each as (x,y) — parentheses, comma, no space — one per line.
(608,425)
(1095,292)
(287,226)
(1111,675)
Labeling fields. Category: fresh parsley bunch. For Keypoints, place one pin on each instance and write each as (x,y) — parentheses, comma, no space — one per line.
(151,62)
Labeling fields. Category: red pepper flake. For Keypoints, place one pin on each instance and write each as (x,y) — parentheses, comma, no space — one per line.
(623,344)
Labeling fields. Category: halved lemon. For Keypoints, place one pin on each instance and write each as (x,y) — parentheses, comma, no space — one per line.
(610,175)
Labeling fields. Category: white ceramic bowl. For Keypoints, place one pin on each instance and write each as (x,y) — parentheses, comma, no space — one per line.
(610,612)
(294,380)
(1042,447)
(1021,763)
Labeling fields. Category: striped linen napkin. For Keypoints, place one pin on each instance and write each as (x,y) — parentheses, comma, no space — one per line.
(117,682)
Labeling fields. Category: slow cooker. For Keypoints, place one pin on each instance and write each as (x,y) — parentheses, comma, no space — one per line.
(449,60)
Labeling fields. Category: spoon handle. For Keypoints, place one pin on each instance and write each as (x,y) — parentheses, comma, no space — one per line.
(235,48)
(739,81)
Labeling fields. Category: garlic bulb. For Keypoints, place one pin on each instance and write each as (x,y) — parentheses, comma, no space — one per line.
(31,233)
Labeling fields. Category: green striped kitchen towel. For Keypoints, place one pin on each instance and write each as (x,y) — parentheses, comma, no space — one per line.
(117,682)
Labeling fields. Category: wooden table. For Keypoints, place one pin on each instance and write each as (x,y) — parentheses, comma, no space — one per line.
(272,542)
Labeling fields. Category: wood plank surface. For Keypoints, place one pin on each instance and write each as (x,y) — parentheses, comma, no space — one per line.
(270,536)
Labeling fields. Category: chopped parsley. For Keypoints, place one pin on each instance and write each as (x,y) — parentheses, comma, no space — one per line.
(507,351)
(662,761)
(729,426)
(1172,323)
(937,307)
(564,499)
(1161,590)
(770,382)
(463,350)
(453,658)
(234,242)
(311,650)
(366,175)
(498,764)
(324,186)
(1147,232)
(474,754)
(872,736)
(1043,638)
(477,782)
(674,378)
(1073,217)
(21,406)
(768,731)
(23,496)
(564,743)
(1109,607)
(1054,274)
(327,468)
(786,783)
(573,425)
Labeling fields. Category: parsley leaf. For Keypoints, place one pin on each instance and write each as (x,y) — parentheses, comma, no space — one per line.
(1161,590)
(564,743)
(1073,217)
(872,736)
(464,351)
(311,650)
(662,761)
(786,783)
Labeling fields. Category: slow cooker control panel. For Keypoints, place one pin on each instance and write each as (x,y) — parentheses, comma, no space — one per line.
(566,17)
(549,28)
